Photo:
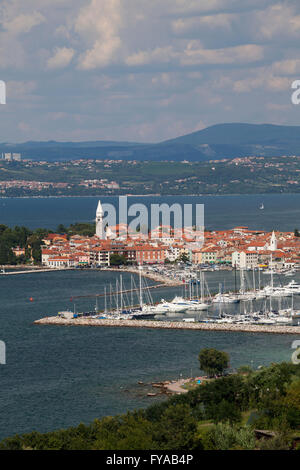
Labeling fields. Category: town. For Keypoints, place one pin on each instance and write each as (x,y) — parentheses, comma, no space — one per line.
(20,176)
(239,247)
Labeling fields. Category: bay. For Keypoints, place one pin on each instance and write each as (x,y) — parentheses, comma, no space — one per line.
(59,376)
(282,211)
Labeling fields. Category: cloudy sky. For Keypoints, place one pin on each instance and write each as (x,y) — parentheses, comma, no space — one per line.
(145,70)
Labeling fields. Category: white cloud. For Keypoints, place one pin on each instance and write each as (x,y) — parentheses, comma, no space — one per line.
(194,54)
(184,25)
(98,24)
(277,21)
(262,78)
(287,67)
(158,55)
(61,58)
(23,23)
(140,52)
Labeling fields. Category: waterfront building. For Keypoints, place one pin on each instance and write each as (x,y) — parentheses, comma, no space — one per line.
(244,259)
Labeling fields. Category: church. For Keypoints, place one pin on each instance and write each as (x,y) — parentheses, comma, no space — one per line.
(100,229)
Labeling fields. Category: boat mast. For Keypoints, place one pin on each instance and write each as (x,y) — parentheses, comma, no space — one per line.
(235,277)
(131,292)
(105,301)
(201,285)
(141,290)
(117,297)
(242,278)
(121,293)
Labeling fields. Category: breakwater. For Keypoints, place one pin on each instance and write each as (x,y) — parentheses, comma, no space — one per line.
(153,276)
(32,271)
(180,325)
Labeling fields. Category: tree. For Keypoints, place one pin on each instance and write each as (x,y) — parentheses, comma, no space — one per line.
(246,370)
(127,432)
(183,258)
(224,412)
(213,362)
(117,260)
(177,429)
(61,229)
(226,437)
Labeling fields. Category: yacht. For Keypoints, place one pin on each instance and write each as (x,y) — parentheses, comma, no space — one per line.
(226,299)
(190,304)
(292,287)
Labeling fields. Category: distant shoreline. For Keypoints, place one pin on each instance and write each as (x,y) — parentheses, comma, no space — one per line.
(151,195)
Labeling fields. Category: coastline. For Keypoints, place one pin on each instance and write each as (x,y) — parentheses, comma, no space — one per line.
(150,195)
(238,328)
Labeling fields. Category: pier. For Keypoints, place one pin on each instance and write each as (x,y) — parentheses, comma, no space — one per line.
(32,271)
(169,325)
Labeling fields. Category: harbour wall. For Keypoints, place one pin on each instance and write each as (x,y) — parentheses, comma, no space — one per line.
(272,329)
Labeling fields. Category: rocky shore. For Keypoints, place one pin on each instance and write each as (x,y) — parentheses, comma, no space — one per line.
(272,329)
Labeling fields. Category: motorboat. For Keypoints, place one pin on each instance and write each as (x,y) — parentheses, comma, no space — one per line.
(226,299)
(190,304)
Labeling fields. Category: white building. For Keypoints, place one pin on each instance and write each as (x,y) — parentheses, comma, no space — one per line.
(244,259)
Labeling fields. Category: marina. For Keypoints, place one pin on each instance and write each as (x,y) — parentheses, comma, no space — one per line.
(103,361)
(247,305)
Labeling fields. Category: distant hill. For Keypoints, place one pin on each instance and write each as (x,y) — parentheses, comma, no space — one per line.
(215,142)
(241,134)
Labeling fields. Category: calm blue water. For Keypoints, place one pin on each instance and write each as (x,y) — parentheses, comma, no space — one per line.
(282,211)
(59,376)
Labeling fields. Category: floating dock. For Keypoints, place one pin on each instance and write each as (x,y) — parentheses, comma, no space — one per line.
(169,325)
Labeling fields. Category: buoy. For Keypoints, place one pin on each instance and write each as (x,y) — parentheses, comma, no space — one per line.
(31,299)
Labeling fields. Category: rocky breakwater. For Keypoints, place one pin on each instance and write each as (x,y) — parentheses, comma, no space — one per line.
(272,329)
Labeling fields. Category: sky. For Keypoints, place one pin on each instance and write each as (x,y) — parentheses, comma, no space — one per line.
(145,70)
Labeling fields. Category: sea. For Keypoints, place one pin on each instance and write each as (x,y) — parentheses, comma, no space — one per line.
(55,377)
(281,211)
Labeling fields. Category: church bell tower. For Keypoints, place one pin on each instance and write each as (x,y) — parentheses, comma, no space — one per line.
(100,232)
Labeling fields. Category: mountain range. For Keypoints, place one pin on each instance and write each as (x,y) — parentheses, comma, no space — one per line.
(220,141)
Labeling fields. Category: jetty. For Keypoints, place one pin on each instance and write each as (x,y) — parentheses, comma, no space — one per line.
(32,271)
(169,325)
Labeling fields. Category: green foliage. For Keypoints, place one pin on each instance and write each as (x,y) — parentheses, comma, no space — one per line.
(282,441)
(207,417)
(183,258)
(224,411)
(117,260)
(227,437)
(269,384)
(245,370)
(177,429)
(61,229)
(84,229)
(213,362)
(128,432)
(20,236)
